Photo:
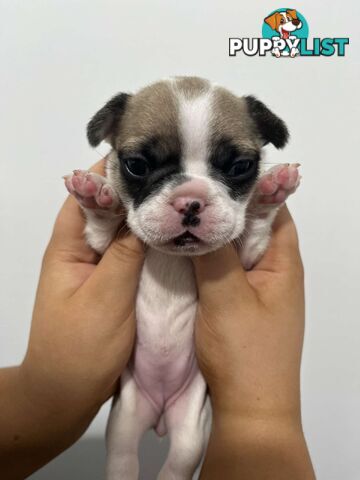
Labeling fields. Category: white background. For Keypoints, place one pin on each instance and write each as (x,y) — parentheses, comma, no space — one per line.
(61,60)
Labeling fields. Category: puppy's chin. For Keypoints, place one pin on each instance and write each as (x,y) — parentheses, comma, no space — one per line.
(187,245)
(186,250)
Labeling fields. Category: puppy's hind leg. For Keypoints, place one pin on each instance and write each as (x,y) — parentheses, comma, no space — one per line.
(188,422)
(272,190)
(131,416)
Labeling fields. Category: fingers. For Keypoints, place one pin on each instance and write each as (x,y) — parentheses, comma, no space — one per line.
(115,279)
(68,240)
(284,230)
(283,251)
(220,277)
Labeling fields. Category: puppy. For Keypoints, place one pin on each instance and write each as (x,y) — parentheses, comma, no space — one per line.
(185,165)
(284,23)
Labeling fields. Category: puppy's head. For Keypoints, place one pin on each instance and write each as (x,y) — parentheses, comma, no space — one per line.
(185,159)
(284,22)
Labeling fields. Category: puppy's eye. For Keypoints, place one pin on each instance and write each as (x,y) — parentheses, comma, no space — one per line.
(137,166)
(240,168)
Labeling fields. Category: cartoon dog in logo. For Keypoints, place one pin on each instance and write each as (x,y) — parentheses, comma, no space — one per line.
(284,23)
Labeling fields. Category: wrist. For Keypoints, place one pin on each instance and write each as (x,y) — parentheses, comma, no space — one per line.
(257,447)
(253,405)
(264,426)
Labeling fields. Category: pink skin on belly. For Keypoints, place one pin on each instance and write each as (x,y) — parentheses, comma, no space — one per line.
(162,380)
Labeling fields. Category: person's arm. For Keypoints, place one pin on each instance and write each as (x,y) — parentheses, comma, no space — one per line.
(81,338)
(256,449)
(249,336)
(33,430)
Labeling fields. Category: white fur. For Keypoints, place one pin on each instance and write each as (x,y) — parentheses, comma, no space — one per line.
(194,119)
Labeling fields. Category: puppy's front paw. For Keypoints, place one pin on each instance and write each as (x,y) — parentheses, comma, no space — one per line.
(91,190)
(278,183)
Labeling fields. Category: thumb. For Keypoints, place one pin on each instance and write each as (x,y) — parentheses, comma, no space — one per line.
(116,277)
(220,278)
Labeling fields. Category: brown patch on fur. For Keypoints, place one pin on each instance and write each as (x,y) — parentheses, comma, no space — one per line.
(231,121)
(152,112)
(191,87)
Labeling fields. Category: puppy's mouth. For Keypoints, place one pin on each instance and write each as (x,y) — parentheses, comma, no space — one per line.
(285,33)
(188,244)
(186,239)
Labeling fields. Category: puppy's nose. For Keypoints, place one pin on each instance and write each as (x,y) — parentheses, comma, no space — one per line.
(296,22)
(190,199)
(188,205)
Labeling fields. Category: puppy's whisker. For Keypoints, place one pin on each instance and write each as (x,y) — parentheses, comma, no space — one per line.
(100,154)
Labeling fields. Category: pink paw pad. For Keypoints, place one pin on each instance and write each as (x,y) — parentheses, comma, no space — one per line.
(90,189)
(278,183)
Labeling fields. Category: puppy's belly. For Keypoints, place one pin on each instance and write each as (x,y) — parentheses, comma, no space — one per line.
(164,360)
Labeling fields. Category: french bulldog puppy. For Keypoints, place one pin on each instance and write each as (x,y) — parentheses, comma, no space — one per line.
(185,166)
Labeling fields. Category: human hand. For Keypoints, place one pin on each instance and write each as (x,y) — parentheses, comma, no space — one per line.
(249,335)
(249,328)
(83,324)
(81,337)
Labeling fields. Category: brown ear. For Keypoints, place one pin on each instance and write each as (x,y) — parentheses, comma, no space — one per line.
(270,127)
(104,123)
(273,20)
(292,13)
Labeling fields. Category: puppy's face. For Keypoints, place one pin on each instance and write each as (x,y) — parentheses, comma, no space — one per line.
(284,22)
(185,160)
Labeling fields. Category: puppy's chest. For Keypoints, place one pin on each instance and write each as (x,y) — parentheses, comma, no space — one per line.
(166,305)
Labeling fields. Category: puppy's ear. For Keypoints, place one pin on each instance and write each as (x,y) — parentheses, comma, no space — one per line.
(270,127)
(104,123)
(273,20)
(292,14)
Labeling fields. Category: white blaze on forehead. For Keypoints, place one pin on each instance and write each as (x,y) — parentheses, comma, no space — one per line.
(194,121)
